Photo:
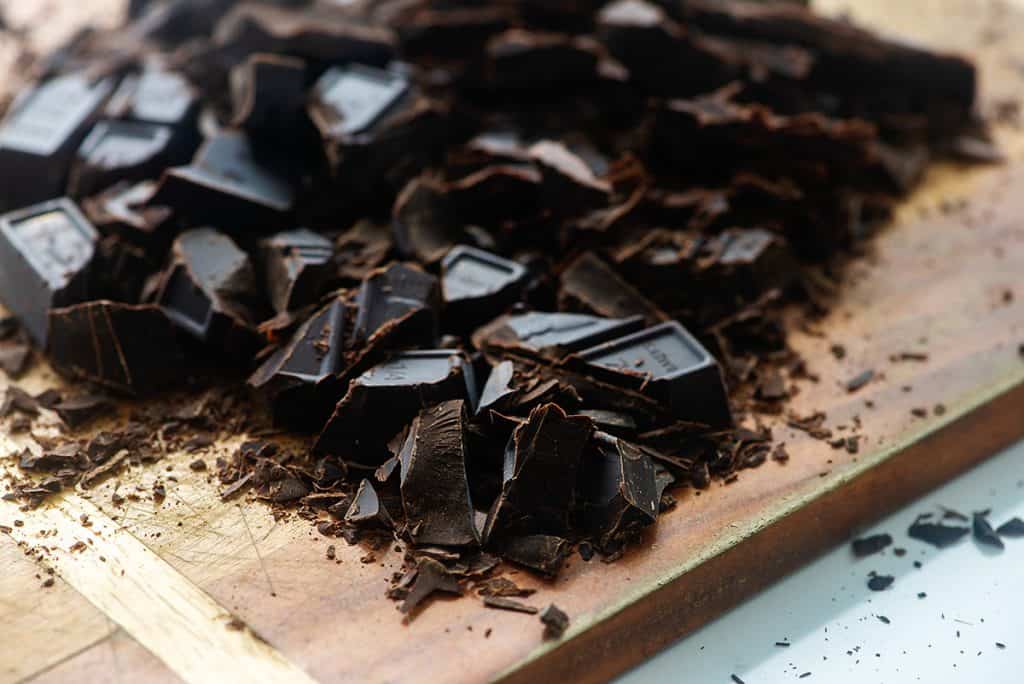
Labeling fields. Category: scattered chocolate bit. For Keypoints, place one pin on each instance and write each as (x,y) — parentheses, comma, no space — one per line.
(736,679)
(883,619)
(431,577)
(859,380)
(937,534)
(880,582)
(81,410)
(508,604)
(555,622)
(983,531)
(1013,528)
(867,546)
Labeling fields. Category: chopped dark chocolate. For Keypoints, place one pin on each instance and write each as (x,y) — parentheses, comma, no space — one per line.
(366,508)
(45,253)
(297,265)
(859,380)
(619,491)
(555,622)
(983,532)
(399,291)
(551,334)
(867,546)
(937,534)
(1013,528)
(160,97)
(431,577)
(508,604)
(475,284)
(117,151)
(880,582)
(15,359)
(539,552)
(81,410)
(498,387)
(591,284)
(114,345)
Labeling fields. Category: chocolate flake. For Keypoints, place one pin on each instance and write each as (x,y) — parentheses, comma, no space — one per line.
(984,533)
(867,546)
(555,622)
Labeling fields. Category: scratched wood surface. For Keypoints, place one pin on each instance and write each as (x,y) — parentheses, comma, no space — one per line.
(155,592)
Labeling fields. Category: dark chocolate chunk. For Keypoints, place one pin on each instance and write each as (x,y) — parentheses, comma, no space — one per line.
(867,546)
(983,531)
(542,459)
(498,387)
(356,98)
(591,284)
(539,552)
(299,378)
(398,291)
(667,363)
(366,508)
(123,347)
(225,186)
(431,577)
(435,491)
(122,209)
(508,604)
(385,398)
(551,334)
(40,134)
(880,582)
(157,97)
(521,59)
(937,534)
(611,421)
(81,410)
(860,380)
(619,491)
(208,290)
(268,93)
(423,222)
(297,265)
(569,184)
(555,622)
(122,151)
(1013,528)
(45,251)
(15,359)
(476,283)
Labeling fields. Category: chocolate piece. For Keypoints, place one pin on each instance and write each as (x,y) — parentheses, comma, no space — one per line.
(983,531)
(880,582)
(508,604)
(619,490)
(666,362)
(555,622)
(611,421)
(225,186)
(521,59)
(435,492)
(431,577)
(366,509)
(364,247)
(157,97)
(591,284)
(476,283)
(268,94)
(936,534)
(15,359)
(542,459)
(123,209)
(207,291)
(297,266)
(81,410)
(121,150)
(394,292)
(114,345)
(385,398)
(451,31)
(539,552)
(299,378)
(423,221)
(551,335)
(1013,528)
(354,99)
(40,134)
(870,545)
(45,251)
(498,387)
(570,185)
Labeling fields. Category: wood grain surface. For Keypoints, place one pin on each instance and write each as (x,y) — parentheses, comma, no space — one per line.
(934,282)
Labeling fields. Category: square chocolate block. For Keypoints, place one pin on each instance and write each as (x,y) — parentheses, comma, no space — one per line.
(45,252)
(670,365)
(351,100)
(120,150)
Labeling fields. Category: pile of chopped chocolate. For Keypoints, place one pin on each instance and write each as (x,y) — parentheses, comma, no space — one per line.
(514,269)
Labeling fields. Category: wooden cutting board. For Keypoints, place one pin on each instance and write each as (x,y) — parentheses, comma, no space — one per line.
(154,594)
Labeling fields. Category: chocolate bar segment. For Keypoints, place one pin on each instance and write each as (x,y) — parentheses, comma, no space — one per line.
(208,291)
(45,252)
(297,265)
(591,284)
(552,335)
(619,490)
(476,283)
(158,97)
(669,365)
(41,133)
(352,99)
(127,348)
(299,379)
(400,291)
(121,150)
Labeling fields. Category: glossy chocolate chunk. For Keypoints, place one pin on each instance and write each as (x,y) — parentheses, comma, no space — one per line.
(542,458)
(297,265)
(399,292)
(591,284)
(750,261)
(355,98)
(299,379)
(124,209)
(534,60)
(475,284)
(385,398)
(668,364)
(366,509)
(268,93)
(157,97)
(127,348)
(45,252)
(542,553)
(451,31)
(224,185)
(498,388)
(552,335)
(208,290)
(435,491)
(424,222)
(569,182)
(618,489)
(41,133)
(121,151)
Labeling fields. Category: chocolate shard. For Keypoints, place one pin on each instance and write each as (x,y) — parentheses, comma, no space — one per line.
(1013,528)
(551,335)
(15,359)
(124,209)
(498,388)
(750,261)
(123,347)
(122,151)
(39,136)
(391,293)
(208,290)
(268,94)
(555,622)
(435,490)
(526,60)
(45,253)
(386,397)
(664,362)
(431,577)
(366,509)
(297,265)
(619,491)
(79,411)
(569,182)
(156,96)
(542,459)
(937,534)
(983,531)
(541,553)
(324,37)
(591,284)
(451,31)
(351,101)
(867,546)
(476,283)
(423,221)
(502,603)
(299,379)
(224,185)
